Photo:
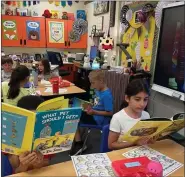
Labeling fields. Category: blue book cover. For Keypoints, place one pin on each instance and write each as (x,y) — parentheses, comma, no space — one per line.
(55,130)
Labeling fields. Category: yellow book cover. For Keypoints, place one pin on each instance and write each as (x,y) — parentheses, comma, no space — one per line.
(154,128)
(178,122)
(48,131)
(53,104)
(17,127)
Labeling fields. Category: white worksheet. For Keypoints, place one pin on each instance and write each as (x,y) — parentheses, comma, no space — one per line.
(93,165)
(169,165)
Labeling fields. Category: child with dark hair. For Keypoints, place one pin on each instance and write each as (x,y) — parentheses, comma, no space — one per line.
(30,102)
(7,64)
(45,70)
(136,97)
(14,90)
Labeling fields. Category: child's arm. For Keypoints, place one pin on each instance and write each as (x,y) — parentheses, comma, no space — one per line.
(100,113)
(114,144)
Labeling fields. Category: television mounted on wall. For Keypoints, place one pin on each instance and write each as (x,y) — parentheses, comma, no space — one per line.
(169,74)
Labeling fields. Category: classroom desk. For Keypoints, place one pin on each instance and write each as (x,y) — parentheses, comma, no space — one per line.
(70,90)
(167,147)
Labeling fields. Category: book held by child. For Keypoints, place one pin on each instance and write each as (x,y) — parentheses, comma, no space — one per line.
(47,131)
(154,128)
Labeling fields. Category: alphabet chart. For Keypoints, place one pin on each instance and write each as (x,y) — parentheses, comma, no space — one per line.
(93,165)
(169,165)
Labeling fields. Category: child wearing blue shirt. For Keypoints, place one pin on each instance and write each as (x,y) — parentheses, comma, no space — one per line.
(101,112)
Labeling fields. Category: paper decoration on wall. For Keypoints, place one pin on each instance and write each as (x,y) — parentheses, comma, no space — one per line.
(74,36)
(57,3)
(81,14)
(158,11)
(18,4)
(33,30)
(69,3)
(63,3)
(24,3)
(80,26)
(56,32)
(106,43)
(14,3)
(99,25)
(123,19)
(9,29)
(29,3)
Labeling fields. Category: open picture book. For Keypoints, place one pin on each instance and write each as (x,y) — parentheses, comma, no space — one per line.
(85,105)
(155,128)
(49,132)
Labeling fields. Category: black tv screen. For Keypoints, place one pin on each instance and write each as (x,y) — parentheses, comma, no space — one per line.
(170,60)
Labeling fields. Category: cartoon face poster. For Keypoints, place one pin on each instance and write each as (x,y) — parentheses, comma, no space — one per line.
(33,30)
(9,29)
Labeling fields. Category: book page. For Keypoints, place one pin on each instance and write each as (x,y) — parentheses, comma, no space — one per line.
(169,165)
(92,165)
(81,103)
(145,129)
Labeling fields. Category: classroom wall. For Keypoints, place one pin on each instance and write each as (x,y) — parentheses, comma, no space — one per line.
(114,31)
(41,7)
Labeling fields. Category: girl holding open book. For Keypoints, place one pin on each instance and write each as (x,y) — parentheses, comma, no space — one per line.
(136,97)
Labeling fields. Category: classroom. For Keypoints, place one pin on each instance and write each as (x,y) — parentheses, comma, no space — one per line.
(92,88)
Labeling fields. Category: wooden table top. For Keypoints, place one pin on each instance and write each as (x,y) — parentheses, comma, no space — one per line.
(70,90)
(167,147)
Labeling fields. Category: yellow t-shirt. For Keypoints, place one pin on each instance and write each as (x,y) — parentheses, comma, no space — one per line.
(23,92)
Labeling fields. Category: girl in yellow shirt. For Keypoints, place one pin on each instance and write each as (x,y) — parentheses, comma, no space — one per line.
(14,90)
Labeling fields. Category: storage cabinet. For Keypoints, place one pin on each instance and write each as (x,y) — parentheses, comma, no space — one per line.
(23,31)
(18,31)
(57,32)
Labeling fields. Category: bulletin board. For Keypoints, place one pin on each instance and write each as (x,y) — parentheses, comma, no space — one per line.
(138,29)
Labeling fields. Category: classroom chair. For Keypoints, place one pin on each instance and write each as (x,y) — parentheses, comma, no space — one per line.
(104,139)
(89,126)
(6,166)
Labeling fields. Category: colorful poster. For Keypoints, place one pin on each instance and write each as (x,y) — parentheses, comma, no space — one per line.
(33,30)
(56,32)
(9,29)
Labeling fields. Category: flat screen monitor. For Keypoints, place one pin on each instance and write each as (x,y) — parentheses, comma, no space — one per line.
(169,74)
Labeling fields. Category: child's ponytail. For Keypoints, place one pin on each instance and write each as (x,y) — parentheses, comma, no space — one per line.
(18,75)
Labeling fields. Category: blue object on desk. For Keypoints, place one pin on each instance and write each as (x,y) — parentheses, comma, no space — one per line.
(27,85)
(93,52)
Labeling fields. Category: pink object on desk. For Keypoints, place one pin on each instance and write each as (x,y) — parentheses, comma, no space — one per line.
(137,167)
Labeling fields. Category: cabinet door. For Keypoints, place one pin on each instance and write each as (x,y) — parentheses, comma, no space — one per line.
(56,32)
(34,34)
(81,44)
(11,31)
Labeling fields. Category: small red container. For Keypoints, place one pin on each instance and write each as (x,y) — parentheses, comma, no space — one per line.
(55,85)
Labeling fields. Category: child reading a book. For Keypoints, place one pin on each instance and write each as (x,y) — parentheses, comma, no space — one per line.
(101,112)
(28,160)
(136,96)
(14,89)
(7,64)
(45,70)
